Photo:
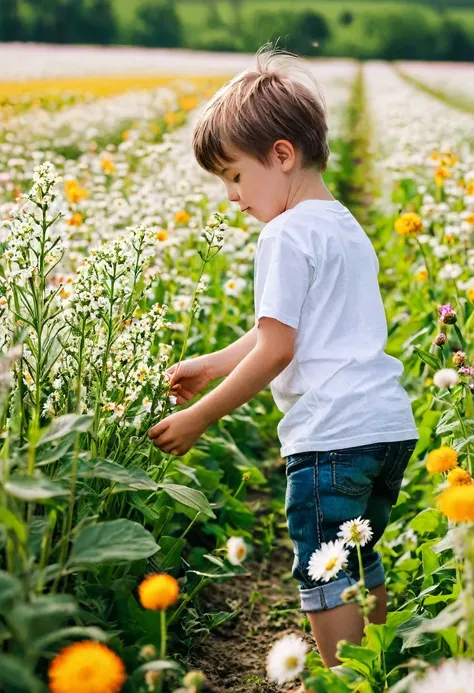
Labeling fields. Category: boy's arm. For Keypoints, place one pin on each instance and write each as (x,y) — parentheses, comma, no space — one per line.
(271,354)
(221,363)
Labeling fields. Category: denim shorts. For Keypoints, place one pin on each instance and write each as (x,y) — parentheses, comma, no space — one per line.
(324,489)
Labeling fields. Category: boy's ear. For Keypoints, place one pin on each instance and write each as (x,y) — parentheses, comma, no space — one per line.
(285,152)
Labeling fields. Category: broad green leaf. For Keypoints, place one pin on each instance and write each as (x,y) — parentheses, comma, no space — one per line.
(133,478)
(64,425)
(190,497)
(45,456)
(426,521)
(17,677)
(42,615)
(37,488)
(83,632)
(117,540)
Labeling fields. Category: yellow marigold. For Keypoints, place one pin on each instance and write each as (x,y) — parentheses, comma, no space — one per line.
(470,294)
(161,235)
(470,188)
(441,460)
(86,667)
(181,217)
(458,477)
(440,174)
(457,503)
(75,220)
(449,159)
(107,164)
(470,218)
(421,275)
(409,224)
(158,591)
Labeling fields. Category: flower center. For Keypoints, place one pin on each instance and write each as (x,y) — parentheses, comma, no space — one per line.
(291,662)
(331,563)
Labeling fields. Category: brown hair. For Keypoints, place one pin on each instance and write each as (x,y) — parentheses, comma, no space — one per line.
(278,99)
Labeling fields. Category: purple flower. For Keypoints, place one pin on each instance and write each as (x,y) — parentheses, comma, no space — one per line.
(448,315)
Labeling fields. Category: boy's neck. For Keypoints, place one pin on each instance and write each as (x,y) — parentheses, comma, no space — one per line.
(309,185)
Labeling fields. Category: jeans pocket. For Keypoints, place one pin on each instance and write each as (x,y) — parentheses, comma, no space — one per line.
(298,461)
(353,470)
(395,474)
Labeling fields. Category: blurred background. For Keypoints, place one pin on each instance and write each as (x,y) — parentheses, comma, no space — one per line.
(393,30)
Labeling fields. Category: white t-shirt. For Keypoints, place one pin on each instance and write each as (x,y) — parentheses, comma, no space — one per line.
(316,270)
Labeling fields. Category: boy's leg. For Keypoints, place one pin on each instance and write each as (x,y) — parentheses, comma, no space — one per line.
(344,623)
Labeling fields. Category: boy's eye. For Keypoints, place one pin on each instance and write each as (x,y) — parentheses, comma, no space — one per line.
(237,178)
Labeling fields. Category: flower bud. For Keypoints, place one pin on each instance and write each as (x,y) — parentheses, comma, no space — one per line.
(440,340)
(194,678)
(350,593)
(148,652)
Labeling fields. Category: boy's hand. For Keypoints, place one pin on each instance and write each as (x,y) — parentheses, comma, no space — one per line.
(188,378)
(177,433)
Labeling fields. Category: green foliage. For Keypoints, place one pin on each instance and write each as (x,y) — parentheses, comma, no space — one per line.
(158,24)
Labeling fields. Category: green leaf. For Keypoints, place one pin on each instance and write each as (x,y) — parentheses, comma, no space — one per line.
(37,488)
(45,456)
(16,677)
(428,358)
(87,632)
(10,589)
(118,540)
(134,478)
(42,615)
(64,425)
(362,658)
(426,521)
(190,497)
(10,521)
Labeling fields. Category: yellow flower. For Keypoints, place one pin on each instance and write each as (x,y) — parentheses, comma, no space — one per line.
(75,220)
(107,164)
(470,218)
(86,667)
(172,118)
(181,217)
(470,188)
(449,238)
(470,294)
(421,275)
(457,503)
(187,103)
(435,156)
(449,159)
(441,460)
(161,235)
(126,135)
(409,224)
(459,477)
(440,174)
(74,192)
(158,591)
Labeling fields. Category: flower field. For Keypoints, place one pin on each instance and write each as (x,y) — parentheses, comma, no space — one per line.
(119,258)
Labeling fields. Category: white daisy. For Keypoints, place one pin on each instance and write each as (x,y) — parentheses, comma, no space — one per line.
(451,676)
(236,550)
(286,659)
(355,532)
(327,561)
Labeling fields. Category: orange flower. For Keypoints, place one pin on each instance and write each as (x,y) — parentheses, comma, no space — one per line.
(459,477)
(74,192)
(172,118)
(75,220)
(161,235)
(158,591)
(441,460)
(457,503)
(86,667)
(409,224)
(470,218)
(470,188)
(181,217)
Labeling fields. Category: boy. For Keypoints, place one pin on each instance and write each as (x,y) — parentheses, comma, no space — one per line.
(318,340)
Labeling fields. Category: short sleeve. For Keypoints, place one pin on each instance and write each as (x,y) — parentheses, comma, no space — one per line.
(283,275)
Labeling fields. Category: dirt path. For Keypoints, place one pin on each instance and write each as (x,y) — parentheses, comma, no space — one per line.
(233,657)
